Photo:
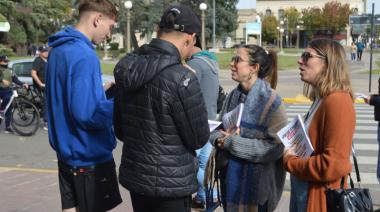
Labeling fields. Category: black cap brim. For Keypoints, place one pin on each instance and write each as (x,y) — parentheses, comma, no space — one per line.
(198,42)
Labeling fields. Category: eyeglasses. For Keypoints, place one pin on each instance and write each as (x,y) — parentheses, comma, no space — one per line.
(307,55)
(237,59)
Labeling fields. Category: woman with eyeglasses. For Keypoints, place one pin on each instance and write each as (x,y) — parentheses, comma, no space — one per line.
(254,177)
(330,123)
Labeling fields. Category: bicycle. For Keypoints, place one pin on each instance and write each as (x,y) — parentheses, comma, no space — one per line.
(25,117)
(35,96)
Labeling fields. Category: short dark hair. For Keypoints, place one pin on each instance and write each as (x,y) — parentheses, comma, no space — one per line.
(103,6)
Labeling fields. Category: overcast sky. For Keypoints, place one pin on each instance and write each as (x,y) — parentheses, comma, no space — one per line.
(245,4)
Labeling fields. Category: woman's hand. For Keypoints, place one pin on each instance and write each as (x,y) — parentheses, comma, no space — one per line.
(289,151)
(220,141)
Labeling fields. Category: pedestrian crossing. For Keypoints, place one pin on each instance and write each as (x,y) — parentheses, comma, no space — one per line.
(365,140)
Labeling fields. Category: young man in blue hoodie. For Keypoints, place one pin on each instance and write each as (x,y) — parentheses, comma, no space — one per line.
(79,114)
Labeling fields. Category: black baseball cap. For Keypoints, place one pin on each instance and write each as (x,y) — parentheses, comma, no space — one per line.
(185,20)
(4,58)
(43,49)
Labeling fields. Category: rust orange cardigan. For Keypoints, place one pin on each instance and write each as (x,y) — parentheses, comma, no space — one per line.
(331,131)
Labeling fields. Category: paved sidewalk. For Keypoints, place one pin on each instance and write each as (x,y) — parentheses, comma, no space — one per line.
(36,190)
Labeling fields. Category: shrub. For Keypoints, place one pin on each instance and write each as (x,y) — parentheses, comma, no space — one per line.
(114,46)
(6,51)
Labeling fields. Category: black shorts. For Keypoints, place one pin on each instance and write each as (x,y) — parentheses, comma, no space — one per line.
(90,189)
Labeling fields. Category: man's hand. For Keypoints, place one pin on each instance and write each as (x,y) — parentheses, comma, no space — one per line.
(367,100)
(42,85)
(25,85)
(108,85)
(6,83)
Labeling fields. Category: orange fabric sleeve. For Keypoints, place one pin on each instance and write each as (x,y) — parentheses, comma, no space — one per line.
(332,151)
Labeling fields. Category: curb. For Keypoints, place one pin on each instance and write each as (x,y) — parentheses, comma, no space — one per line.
(300,99)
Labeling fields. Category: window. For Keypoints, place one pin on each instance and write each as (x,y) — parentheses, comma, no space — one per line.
(22,69)
(268,12)
(281,14)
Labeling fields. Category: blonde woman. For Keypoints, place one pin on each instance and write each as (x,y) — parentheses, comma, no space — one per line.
(330,122)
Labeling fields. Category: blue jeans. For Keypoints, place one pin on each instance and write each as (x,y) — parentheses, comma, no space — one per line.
(203,155)
(5,95)
(378,155)
(353,56)
(298,195)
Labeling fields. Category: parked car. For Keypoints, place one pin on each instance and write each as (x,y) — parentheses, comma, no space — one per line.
(23,67)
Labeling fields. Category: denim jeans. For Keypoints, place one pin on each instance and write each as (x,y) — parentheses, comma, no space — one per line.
(353,56)
(298,195)
(202,155)
(378,155)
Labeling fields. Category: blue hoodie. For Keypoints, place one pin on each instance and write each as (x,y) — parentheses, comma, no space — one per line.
(79,115)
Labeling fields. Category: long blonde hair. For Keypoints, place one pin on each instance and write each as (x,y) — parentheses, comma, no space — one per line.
(335,75)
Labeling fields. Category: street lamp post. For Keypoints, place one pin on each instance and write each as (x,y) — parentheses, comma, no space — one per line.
(281,34)
(286,32)
(203,7)
(298,36)
(213,24)
(128,6)
(278,36)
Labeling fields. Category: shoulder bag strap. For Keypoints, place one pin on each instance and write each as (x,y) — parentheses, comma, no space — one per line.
(358,179)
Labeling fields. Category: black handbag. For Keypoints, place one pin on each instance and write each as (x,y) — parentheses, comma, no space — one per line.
(221,159)
(351,199)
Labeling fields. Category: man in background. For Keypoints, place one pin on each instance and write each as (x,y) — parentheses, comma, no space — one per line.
(38,76)
(206,68)
(360,47)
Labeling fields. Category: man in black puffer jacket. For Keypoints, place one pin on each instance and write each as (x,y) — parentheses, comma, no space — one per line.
(161,117)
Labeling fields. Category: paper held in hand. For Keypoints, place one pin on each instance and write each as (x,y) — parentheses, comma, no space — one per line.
(294,135)
(232,119)
(213,124)
(361,96)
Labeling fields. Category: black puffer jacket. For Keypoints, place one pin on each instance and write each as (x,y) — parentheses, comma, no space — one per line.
(161,117)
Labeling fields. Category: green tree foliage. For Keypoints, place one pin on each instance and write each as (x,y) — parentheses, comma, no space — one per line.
(146,14)
(269,26)
(312,19)
(292,16)
(332,18)
(335,16)
(2,18)
(32,21)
